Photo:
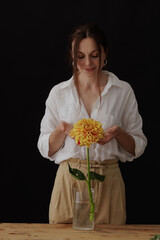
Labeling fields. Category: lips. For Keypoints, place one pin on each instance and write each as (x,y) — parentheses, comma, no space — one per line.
(90,69)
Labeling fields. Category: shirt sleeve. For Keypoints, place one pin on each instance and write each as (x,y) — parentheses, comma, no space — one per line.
(132,123)
(48,125)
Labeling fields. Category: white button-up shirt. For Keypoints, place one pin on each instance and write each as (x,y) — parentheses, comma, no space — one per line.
(118,107)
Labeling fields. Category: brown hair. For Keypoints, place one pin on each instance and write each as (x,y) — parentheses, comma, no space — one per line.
(90,30)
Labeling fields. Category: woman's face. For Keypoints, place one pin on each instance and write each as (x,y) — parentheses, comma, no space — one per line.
(88,57)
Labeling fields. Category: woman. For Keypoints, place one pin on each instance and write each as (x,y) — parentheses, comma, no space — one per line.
(91,93)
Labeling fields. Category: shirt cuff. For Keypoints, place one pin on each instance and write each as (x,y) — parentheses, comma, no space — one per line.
(43,146)
(140,145)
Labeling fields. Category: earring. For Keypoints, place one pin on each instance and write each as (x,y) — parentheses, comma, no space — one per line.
(105,62)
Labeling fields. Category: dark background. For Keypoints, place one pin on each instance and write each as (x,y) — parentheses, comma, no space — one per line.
(33,59)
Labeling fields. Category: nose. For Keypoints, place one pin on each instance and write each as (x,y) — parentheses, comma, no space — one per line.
(87,61)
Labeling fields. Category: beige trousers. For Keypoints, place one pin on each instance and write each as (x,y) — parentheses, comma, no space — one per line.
(109,195)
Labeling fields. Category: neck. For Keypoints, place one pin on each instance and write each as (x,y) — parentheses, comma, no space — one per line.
(87,81)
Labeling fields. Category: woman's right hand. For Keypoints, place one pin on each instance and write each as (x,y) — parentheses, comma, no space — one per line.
(57,138)
(65,127)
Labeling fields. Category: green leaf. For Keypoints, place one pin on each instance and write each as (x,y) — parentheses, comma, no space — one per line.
(76,173)
(156,237)
(97,176)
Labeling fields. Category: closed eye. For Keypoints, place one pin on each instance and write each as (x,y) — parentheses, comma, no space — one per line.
(95,56)
(80,57)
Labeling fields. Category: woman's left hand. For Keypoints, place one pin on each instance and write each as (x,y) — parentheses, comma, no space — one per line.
(109,134)
(123,138)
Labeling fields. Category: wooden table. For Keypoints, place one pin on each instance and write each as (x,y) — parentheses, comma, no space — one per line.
(24,231)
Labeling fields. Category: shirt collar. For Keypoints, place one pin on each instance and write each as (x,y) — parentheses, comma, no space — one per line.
(113,80)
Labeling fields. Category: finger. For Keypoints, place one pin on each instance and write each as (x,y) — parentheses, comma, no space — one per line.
(113,130)
(101,143)
(63,125)
(68,128)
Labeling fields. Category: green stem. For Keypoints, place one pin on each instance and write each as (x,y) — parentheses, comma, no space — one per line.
(89,188)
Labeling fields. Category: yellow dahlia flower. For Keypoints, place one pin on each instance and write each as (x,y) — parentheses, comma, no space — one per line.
(87,131)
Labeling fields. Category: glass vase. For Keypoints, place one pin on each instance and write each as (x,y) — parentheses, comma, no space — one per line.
(81,212)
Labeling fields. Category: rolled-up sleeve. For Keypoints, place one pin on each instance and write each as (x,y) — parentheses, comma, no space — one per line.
(48,125)
(140,144)
(132,123)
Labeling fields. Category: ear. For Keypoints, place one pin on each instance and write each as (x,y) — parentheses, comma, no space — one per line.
(106,51)
(105,56)
(72,55)
(72,50)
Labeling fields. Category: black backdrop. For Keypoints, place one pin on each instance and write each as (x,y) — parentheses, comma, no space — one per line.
(33,53)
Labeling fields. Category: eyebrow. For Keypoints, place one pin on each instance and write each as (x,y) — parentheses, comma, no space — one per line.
(90,52)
